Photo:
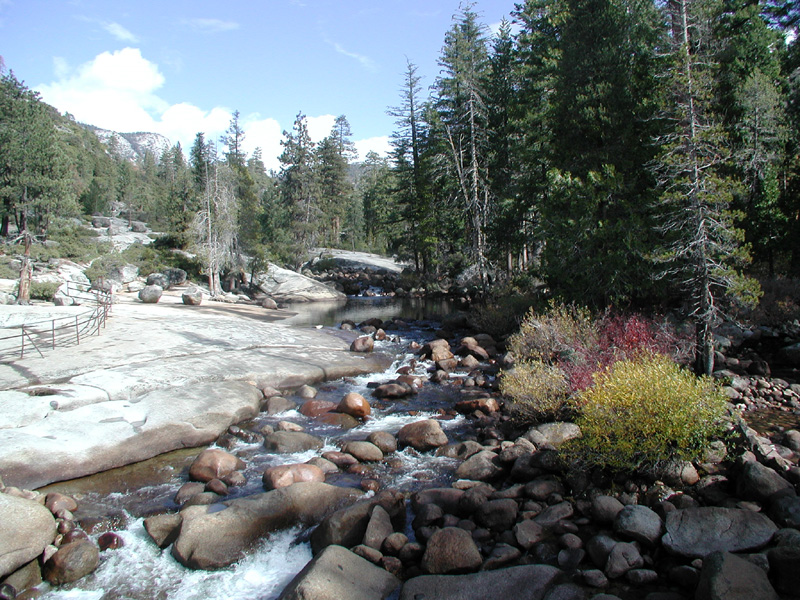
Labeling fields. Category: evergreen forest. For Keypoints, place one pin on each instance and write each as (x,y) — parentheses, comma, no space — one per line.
(612,152)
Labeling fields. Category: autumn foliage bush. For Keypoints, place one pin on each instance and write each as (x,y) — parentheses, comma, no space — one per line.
(643,412)
(558,351)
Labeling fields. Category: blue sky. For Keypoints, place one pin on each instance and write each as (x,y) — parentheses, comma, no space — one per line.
(177,67)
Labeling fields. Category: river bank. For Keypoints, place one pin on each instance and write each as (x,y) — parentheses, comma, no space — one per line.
(159,377)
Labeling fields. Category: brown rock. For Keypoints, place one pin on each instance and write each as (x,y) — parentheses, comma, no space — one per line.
(362,344)
(383,440)
(355,405)
(315,408)
(55,502)
(363,451)
(163,529)
(450,551)
(286,475)
(71,562)
(422,435)
(214,464)
(110,541)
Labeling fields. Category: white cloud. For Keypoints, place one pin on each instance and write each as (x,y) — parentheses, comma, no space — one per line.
(119,32)
(365,61)
(380,145)
(212,25)
(320,127)
(118,91)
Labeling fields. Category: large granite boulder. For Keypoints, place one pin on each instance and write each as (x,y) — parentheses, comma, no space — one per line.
(210,538)
(422,435)
(726,576)
(450,551)
(535,580)
(697,532)
(26,528)
(193,296)
(150,294)
(283,285)
(214,463)
(338,574)
(71,562)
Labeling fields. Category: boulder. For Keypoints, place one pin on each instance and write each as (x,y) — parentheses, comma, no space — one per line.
(355,405)
(527,533)
(451,550)
(26,529)
(363,451)
(158,279)
(283,285)
(278,404)
(285,475)
(213,463)
(379,528)
(697,532)
(483,466)
(289,442)
(497,515)
(212,539)
(71,562)
(348,526)
(269,303)
(422,435)
(339,574)
(137,227)
(535,580)
(639,523)
(383,440)
(552,434)
(759,482)
(606,508)
(175,276)
(315,408)
(622,558)
(726,576)
(192,296)
(163,529)
(150,294)
(364,343)
(393,390)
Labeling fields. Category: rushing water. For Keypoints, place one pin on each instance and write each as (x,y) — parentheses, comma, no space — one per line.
(139,570)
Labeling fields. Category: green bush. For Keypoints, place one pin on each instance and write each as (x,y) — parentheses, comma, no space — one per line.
(645,412)
(538,391)
(73,242)
(44,290)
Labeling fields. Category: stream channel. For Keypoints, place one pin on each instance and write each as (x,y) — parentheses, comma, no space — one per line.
(120,499)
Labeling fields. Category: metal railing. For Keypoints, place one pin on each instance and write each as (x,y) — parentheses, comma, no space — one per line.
(69,330)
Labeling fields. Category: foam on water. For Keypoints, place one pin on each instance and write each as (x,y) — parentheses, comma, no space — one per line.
(139,570)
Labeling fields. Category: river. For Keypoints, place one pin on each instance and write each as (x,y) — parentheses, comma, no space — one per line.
(124,497)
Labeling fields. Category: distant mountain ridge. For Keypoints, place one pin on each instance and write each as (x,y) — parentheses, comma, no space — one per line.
(133,146)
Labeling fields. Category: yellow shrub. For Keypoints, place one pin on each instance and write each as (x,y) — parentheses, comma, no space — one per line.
(643,412)
(546,336)
(535,390)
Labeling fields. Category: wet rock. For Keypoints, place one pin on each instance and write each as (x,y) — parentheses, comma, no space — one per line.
(163,529)
(726,576)
(422,435)
(187,490)
(384,440)
(355,405)
(342,460)
(542,488)
(26,528)
(371,554)
(378,528)
(211,538)
(289,442)
(324,464)
(214,464)
(362,344)
(278,404)
(535,580)
(448,499)
(306,392)
(71,562)
(55,502)
(697,532)
(288,426)
(285,475)
(639,523)
(785,511)
(110,541)
(552,515)
(500,556)
(336,574)
(485,405)
(450,551)
(622,558)
(393,390)
(23,578)
(363,451)
(150,294)
(565,591)
(316,408)
(460,450)
(339,420)
(483,466)
(347,526)
(436,350)
(394,543)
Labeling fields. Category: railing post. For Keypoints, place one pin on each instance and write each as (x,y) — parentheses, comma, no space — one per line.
(54,334)
(22,350)
(77,331)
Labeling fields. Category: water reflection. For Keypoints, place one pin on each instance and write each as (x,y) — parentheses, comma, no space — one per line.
(359,309)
